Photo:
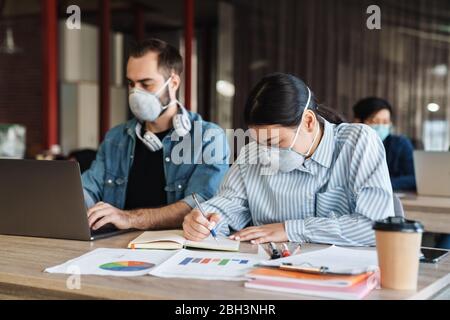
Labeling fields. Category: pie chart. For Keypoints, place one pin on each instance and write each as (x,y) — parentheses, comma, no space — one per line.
(127,266)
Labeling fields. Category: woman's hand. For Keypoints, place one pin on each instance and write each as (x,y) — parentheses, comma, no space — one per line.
(262,234)
(196,227)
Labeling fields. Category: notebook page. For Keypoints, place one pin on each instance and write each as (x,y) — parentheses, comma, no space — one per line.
(222,244)
(159,236)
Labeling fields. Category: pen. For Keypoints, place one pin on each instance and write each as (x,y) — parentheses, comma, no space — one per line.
(297,250)
(275,253)
(213,232)
(324,270)
(285,251)
(313,270)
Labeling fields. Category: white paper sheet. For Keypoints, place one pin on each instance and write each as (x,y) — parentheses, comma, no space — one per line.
(335,258)
(208,265)
(114,262)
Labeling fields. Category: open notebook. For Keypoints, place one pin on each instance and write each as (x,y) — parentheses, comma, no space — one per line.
(173,239)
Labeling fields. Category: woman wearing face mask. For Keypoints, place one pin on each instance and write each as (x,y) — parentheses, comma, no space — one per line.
(322,182)
(377,113)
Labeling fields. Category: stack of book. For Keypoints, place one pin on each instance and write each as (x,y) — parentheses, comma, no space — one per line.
(322,285)
(334,272)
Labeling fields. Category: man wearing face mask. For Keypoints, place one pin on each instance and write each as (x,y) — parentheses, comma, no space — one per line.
(377,113)
(135,183)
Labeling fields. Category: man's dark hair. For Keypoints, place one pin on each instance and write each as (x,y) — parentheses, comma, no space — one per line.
(367,107)
(169,58)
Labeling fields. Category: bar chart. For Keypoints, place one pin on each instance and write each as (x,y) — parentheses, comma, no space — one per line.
(205,261)
(197,264)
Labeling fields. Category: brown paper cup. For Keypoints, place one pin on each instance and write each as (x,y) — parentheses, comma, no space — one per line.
(398,249)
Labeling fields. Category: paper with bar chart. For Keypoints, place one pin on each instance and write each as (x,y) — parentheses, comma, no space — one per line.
(207,265)
(113,262)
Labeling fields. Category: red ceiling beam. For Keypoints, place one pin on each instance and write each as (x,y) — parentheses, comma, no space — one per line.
(105,65)
(50,72)
(188,40)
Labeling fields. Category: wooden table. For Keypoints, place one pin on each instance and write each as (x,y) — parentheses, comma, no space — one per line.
(23,259)
(433,212)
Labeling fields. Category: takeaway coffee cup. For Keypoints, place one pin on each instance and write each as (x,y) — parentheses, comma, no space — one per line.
(398,248)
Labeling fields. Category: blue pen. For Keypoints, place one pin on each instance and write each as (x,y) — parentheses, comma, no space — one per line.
(213,232)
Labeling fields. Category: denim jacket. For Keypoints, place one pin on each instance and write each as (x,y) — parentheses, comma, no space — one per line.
(202,173)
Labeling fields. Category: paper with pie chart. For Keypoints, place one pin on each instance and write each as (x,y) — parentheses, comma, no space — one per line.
(114,262)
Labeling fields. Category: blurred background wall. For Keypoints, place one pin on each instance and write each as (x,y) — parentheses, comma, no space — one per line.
(233,44)
(327,44)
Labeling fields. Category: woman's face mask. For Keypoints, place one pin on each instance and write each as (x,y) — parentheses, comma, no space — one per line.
(145,105)
(287,159)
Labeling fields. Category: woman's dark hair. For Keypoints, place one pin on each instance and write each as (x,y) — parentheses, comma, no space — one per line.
(281,98)
(367,107)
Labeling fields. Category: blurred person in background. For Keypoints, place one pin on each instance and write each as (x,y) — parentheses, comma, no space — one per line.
(377,113)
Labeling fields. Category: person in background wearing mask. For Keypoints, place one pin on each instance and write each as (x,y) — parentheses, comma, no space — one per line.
(134,182)
(377,113)
(318,180)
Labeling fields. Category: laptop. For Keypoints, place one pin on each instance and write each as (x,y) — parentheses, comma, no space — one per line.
(45,199)
(432,171)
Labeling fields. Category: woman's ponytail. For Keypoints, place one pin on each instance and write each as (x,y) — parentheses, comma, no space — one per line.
(330,115)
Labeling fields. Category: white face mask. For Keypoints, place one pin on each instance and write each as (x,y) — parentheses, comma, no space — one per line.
(146,106)
(287,159)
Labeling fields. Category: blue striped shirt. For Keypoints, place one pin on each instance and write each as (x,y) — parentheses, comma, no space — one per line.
(334,197)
